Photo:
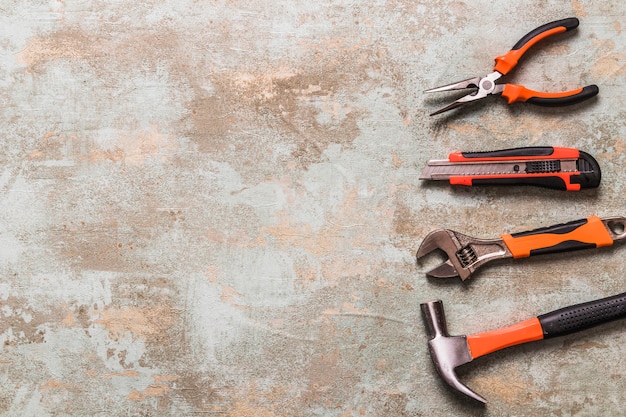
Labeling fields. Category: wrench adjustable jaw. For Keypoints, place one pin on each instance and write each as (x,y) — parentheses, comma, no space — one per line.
(465,253)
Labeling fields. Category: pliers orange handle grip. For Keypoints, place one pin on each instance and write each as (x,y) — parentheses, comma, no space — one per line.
(505,63)
(513,92)
(518,93)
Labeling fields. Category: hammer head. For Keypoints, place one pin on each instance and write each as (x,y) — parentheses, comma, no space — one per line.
(447,352)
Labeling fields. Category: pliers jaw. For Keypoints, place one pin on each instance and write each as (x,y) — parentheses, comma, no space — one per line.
(484,85)
(460,85)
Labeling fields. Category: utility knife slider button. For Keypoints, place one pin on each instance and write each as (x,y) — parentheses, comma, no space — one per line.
(537,167)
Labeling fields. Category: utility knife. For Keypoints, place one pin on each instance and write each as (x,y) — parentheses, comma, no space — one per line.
(542,166)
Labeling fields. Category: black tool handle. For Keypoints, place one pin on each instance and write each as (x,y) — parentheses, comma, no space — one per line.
(569,24)
(529,151)
(507,62)
(546,169)
(579,234)
(548,181)
(589,174)
(583,316)
(558,229)
(584,94)
(589,169)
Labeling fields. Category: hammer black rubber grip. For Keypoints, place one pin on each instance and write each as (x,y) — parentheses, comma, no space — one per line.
(583,316)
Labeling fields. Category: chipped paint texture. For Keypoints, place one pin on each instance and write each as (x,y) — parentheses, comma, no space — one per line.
(212,207)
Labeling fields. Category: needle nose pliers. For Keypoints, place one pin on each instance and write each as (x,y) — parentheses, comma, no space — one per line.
(513,92)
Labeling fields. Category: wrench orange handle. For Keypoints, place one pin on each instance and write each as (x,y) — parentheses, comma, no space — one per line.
(507,62)
(579,234)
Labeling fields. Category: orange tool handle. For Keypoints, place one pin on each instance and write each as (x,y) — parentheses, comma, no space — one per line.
(484,343)
(555,181)
(507,62)
(515,92)
(547,177)
(560,322)
(579,234)
(516,154)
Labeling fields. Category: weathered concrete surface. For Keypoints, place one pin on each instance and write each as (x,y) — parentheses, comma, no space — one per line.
(212,207)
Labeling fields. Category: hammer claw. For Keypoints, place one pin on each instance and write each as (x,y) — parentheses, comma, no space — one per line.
(456,384)
(447,352)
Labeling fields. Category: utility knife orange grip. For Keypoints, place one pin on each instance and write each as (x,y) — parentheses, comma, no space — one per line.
(543,166)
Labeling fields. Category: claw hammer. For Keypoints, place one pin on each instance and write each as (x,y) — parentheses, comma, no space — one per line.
(449,352)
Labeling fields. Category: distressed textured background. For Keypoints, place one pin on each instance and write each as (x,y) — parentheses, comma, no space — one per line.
(212,207)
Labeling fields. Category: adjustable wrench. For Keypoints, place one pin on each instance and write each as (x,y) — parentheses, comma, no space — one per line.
(466,254)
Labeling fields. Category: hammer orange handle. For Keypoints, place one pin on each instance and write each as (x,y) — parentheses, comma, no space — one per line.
(579,234)
(556,323)
(484,343)
(507,62)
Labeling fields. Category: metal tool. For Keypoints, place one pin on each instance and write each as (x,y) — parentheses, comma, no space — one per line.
(542,166)
(486,86)
(450,352)
(466,254)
